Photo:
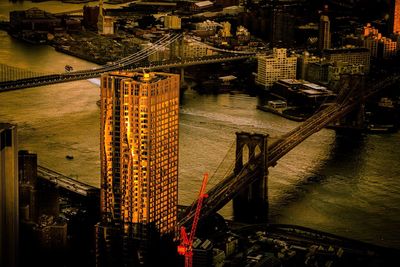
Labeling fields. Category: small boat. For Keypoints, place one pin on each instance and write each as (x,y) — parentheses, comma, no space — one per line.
(69,157)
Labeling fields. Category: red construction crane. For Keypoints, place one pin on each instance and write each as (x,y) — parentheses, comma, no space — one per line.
(186,246)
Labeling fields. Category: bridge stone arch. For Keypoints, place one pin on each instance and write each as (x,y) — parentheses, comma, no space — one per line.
(251,203)
(245,154)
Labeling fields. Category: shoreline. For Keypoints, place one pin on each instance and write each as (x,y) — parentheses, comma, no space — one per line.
(282,114)
(75,54)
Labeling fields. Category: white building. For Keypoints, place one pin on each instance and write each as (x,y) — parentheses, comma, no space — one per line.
(277,66)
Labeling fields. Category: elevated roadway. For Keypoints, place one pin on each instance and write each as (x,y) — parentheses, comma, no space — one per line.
(67,183)
(134,62)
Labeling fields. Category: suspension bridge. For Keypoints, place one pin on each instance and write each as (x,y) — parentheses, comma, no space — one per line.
(9,73)
(247,182)
(134,62)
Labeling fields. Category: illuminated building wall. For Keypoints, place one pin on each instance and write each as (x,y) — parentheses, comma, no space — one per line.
(139,152)
(271,68)
(8,195)
(379,46)
(395,16)
(172,22)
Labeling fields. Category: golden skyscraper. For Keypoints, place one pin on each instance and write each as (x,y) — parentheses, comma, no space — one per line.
(324,37)
(139,153)
(9,210)
(395,16)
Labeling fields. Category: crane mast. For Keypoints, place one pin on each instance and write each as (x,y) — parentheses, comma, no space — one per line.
(186,246)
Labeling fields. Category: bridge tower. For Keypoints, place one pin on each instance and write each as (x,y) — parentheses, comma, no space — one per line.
(355,85)
(251,203)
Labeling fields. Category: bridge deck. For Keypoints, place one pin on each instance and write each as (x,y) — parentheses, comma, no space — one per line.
(229,187)
(66,182)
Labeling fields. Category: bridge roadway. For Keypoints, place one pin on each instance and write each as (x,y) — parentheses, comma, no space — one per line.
(66,182)
(226,189)
(68,77)
(134,62)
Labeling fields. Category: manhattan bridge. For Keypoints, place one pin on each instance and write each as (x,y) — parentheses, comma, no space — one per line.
(18,79)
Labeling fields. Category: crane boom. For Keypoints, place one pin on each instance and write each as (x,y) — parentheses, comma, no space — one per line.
(201,197)
(186,246)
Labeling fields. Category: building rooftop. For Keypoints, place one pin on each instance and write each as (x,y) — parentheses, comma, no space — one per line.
(314,86)
(203,4)
(142,76)
(345,50)
(312,92)
(227,78)
(291,81)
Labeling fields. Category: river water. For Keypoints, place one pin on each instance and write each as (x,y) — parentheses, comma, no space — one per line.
(344,185)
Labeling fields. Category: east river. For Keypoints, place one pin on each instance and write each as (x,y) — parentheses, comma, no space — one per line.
(348,186)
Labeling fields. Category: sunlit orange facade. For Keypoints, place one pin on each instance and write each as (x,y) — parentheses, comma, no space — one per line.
(9,211)
(395,15)
(139,149)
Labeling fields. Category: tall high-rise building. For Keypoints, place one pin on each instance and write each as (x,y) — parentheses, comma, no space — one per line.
(105,24)
(395,16)
(8,195)
(324,38)
(139,163)
(282,24)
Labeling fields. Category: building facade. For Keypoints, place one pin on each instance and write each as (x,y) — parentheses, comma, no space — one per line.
(172,22)
(395,16)
(277,66)
(105,24)
(324,37)
(353,56)
(336,69)
(379,46)
(139,162)
(9,210)
(303,62)
(226,29)
(190,49)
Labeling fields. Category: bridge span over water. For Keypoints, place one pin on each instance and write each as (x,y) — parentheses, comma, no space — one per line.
(135,62)
(246,184)
(67,183)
